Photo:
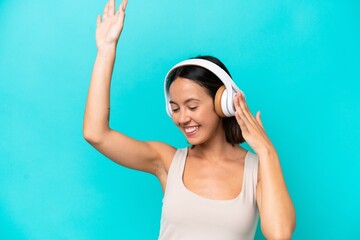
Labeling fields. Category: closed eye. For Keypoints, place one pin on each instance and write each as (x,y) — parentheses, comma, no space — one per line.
(193,108)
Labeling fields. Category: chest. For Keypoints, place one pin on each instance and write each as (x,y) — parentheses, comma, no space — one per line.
(219,181)
(211,199)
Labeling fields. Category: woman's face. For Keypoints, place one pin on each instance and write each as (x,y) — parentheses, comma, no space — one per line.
(193,111)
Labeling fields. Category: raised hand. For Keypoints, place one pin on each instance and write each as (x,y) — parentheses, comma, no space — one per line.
(109,28)
(252,129)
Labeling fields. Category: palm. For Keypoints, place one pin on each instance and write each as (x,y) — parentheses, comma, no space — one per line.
(109,29)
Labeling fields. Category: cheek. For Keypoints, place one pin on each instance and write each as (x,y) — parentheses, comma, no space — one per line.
(209,111)
(173,118)
(208,117)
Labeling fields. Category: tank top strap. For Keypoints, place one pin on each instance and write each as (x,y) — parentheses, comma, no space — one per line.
(176,168)
(251,175)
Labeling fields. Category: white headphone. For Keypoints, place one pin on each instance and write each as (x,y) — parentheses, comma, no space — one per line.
(224,104)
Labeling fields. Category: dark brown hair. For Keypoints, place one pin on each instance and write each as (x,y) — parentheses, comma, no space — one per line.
(211,83)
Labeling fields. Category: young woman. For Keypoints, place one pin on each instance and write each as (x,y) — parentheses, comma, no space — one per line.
(214,189)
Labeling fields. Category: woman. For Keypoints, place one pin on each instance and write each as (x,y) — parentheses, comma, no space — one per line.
(215,189)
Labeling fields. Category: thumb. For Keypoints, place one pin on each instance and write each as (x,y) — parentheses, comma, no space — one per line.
(258,119)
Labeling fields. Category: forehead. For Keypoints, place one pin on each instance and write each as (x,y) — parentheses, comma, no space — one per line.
(183,88)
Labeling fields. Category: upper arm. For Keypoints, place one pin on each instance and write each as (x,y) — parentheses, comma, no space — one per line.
(131,153)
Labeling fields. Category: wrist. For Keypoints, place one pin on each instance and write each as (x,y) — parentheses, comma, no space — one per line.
(267,151)
(107,49)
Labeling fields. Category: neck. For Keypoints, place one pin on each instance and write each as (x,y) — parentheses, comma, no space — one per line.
(215,149)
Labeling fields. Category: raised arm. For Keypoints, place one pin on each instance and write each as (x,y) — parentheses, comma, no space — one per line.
(128,152)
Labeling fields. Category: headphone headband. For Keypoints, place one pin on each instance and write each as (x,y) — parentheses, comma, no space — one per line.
(230,85)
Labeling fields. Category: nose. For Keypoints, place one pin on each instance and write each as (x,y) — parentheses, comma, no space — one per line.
(184,118)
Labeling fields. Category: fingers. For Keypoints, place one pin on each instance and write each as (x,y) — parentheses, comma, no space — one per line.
(111,9)
(122,8)
(243,114)
(245,107)
(244,117)
(124,4)
(258,119)
(239,117)
(239,114)
(106,10)
(121,11)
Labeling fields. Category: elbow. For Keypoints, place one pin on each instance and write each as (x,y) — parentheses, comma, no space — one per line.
(89,137)
(92,137)
(282,233)
(280,227)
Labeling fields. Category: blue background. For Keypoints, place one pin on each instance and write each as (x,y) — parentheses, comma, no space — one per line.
(297,61)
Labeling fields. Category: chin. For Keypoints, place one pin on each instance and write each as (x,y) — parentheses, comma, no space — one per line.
(195,141)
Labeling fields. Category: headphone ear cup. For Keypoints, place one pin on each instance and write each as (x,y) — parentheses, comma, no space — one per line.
(217,101)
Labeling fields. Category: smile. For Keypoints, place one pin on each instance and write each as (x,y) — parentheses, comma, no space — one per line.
(191,130)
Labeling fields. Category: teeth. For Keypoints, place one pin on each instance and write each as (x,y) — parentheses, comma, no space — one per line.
(191,129)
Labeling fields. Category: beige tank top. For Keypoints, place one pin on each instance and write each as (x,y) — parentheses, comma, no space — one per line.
(189,216)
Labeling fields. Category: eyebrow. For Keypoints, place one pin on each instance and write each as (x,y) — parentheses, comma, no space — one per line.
(186,101)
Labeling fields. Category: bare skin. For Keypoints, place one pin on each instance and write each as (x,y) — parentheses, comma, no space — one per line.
(214,168)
